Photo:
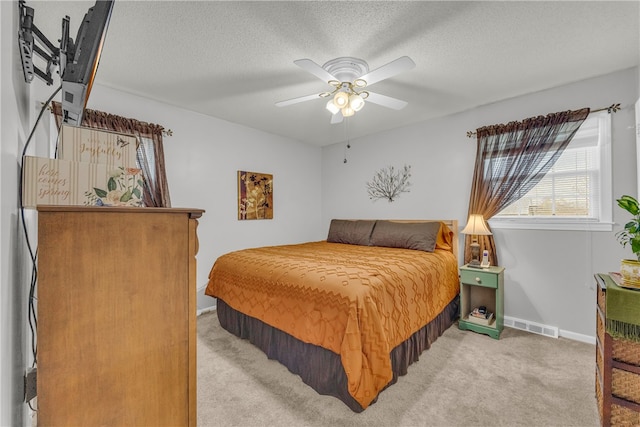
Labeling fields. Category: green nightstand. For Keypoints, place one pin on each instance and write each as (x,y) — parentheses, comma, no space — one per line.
(482,287)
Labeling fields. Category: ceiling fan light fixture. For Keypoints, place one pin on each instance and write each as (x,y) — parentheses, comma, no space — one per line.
(356,102)
(341,99)
(348,77)
(348,112)
(332,107)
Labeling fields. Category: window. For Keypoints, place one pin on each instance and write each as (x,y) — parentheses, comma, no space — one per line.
(145,160)
(576,193)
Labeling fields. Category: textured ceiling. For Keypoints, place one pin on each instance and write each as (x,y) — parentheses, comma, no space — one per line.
(234,60)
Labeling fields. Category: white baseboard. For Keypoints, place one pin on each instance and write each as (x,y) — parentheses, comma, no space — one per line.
(205,310)
(546,330)
(577,337)
(202,303)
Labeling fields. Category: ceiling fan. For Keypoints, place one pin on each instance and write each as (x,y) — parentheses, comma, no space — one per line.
(349,77)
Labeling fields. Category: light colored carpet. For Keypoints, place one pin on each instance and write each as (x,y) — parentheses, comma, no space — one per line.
(465,379)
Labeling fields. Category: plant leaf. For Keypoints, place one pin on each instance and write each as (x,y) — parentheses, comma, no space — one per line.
(630,204)
(126,196)
(99,192)
(111,184)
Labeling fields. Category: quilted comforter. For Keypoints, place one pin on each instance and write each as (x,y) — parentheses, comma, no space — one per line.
(356,301)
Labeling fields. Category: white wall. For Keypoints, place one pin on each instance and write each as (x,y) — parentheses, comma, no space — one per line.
(14,266)
(549,274)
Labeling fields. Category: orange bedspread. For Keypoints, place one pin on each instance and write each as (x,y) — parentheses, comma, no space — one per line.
(357,301)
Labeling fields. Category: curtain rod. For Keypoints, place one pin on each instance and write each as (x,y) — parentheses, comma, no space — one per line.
(165,132)
(613,108)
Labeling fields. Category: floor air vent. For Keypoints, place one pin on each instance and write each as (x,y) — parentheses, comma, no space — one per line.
(536,328)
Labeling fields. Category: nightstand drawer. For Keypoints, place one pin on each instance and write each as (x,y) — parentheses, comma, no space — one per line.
(479,278)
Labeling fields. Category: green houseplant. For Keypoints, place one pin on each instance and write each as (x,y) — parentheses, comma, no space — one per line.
(630,235)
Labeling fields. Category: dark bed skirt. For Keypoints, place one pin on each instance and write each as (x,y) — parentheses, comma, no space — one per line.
(320,368)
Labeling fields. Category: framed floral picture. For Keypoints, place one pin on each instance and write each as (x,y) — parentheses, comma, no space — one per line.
(255,195)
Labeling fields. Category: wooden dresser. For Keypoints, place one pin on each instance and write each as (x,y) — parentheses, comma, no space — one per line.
(617,369)
(116,316)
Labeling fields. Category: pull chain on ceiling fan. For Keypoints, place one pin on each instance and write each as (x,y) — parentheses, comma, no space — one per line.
(349,76)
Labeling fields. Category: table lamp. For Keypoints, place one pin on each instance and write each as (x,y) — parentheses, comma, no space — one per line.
(476,227)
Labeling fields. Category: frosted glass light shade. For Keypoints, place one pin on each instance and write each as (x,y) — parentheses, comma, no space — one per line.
(348,112)
(341,99)
(332,107)
(356,102)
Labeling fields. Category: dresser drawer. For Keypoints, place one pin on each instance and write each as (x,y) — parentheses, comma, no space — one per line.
(479,278)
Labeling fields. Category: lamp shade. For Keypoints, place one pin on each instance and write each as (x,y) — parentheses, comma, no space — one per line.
(348,111)
(332,107)
(356,102)
(476,226)
(341,99)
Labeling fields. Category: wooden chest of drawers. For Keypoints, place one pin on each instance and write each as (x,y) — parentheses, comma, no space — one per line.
(117,316)
(617,370)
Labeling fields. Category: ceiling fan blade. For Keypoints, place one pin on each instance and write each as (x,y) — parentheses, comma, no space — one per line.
(386,101)
(404,63)
(336,118)
(298,99)
(314,69)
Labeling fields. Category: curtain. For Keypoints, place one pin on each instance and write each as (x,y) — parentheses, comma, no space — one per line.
(150,152)
(511,159)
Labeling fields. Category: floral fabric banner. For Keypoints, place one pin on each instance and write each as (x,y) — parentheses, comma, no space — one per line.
(60,182)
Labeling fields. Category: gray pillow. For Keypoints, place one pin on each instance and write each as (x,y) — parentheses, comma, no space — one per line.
(420,236)
(353,232)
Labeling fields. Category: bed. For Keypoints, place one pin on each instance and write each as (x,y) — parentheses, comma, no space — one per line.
(348,314)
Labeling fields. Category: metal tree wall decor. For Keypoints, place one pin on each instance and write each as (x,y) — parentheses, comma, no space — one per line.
(388,183)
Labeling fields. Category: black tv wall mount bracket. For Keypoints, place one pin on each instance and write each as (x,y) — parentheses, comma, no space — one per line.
(32,41)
